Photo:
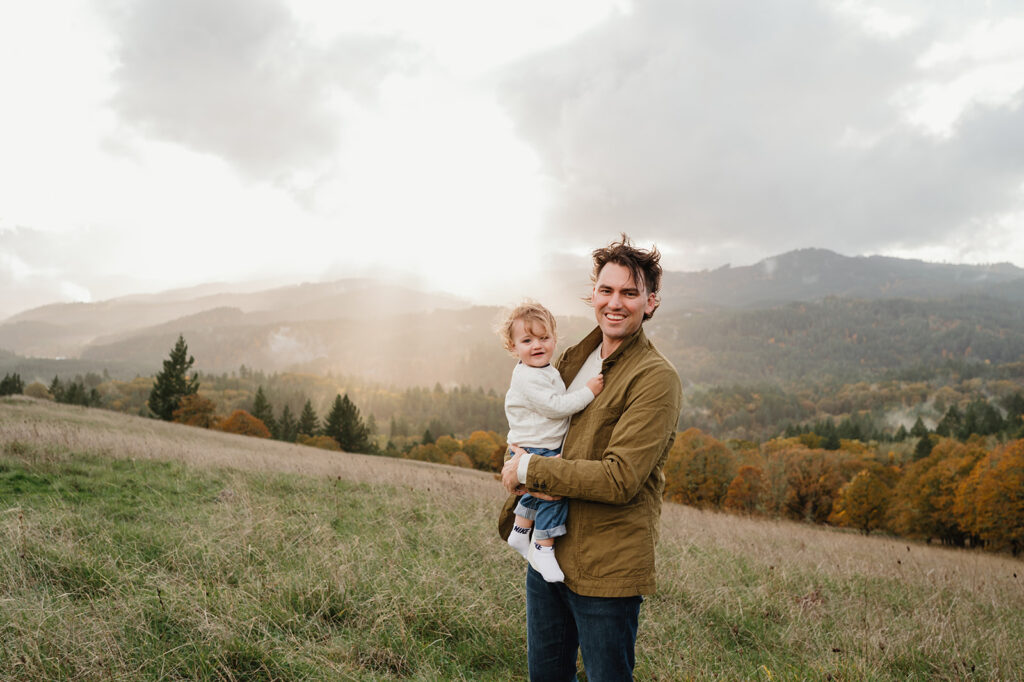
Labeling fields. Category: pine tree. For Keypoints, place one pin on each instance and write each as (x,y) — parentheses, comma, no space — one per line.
(919,430)
(951,423)
(287,427)
(173,383)
(56,389)
(346,426)
(829,435)
(309,422)
(264,411)
(12,384)
(924,447)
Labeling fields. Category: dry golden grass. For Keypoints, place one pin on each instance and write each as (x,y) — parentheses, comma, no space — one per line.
(738,598)
(79,429)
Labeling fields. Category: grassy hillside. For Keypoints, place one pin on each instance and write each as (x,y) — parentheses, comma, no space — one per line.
(134,549)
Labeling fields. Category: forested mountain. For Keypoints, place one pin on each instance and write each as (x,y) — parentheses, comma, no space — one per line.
(812,274)
(840,339)
(809,315)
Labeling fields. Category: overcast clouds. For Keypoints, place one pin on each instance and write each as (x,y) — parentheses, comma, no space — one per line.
(743,128)
(158,144)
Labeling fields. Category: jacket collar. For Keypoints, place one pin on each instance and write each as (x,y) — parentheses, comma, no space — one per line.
(574,357)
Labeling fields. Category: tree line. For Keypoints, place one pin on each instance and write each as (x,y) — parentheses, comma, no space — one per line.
(962,493)
(958,482)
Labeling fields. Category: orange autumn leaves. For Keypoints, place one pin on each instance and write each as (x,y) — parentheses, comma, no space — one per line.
(964,494)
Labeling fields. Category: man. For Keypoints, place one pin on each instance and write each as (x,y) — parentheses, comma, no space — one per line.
(611,471)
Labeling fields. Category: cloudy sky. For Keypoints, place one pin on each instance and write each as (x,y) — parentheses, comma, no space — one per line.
(469,144)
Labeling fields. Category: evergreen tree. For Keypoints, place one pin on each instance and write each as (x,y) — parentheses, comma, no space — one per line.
(56,389)
(346,426)
(901,434)
(264,411)
(829,435)
(309,422)
(951,423)
(173,383)
(1014,411)
(287,427)
(428,437)
(919,430)
(924,447)
(12,385)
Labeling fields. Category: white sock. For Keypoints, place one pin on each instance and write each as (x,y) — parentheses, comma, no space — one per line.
(544,562)
(519,540)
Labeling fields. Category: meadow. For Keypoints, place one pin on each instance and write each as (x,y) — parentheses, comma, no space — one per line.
(135,549)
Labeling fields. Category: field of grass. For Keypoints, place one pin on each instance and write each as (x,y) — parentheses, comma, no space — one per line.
(134,549)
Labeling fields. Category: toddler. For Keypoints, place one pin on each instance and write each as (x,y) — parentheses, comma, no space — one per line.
(538,410)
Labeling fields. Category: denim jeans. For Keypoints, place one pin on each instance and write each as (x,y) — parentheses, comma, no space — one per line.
(558,621)
(548,515)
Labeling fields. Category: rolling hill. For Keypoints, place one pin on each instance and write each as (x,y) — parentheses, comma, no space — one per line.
(803,314)
(137,549)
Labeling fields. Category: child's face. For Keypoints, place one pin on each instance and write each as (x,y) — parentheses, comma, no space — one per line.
(534,344)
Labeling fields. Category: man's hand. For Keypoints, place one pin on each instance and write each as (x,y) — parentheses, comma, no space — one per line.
(510,475)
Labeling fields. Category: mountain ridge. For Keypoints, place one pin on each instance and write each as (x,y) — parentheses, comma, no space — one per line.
(396,333)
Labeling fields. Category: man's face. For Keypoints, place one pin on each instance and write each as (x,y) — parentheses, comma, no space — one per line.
(619,302)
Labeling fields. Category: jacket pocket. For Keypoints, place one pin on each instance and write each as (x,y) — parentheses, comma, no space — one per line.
(620,541)
(591,432)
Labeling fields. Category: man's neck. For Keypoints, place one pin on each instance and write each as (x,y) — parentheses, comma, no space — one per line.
(608,346)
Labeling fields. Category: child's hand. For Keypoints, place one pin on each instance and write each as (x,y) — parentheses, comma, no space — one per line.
(596,385)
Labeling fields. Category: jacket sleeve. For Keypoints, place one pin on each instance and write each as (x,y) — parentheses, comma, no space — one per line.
(640,437)
(543,397)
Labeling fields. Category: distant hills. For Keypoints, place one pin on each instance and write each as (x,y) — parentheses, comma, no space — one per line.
(813,274)
(69,329)
(786,317)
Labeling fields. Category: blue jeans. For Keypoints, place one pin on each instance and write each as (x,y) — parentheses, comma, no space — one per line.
(558,621)
(548,515)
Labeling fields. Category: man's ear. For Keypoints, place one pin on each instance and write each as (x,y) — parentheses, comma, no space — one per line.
(652,303)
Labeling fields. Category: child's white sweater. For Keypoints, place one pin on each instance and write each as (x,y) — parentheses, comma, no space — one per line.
(538,408)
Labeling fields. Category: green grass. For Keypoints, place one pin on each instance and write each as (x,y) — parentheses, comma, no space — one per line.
(156,570)
(118,566)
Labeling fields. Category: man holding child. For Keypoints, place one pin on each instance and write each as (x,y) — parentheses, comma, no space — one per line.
(611,472)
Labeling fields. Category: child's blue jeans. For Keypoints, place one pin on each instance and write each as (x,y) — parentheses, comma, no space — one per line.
(548,515)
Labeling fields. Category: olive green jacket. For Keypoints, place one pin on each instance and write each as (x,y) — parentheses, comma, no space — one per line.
(611,469)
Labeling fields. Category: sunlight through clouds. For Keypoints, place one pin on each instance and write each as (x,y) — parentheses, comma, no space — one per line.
(292,140)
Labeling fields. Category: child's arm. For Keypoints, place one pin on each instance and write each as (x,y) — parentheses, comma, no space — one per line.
(548,400)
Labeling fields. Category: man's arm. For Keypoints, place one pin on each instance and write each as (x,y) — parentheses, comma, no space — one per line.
(513,473)
(638,439)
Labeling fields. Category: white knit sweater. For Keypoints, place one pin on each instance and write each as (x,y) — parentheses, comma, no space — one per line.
(538,408)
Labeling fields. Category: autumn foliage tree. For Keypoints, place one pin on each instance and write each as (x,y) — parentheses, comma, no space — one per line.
(746,491)
(699,470)
(813,480)
(862,503)
(243,423)
(998,497)
(924,504)
(195,410)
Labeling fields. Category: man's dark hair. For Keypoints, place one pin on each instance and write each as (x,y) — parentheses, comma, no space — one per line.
(643,265)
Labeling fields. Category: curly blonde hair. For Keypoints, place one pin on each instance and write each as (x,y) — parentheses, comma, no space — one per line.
(533,315)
